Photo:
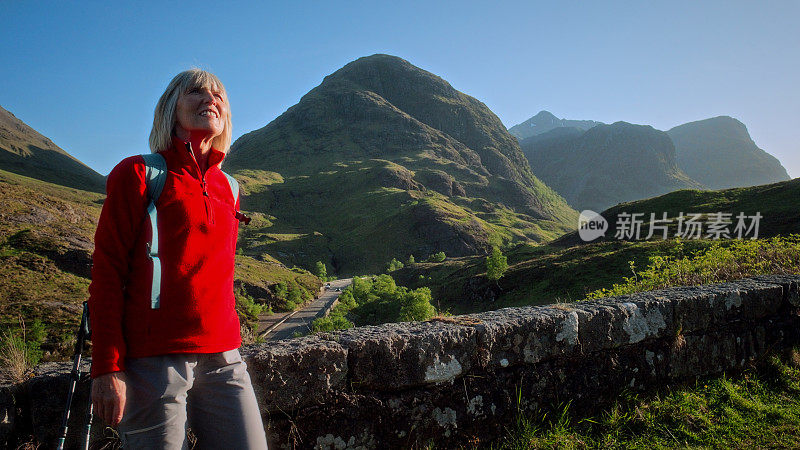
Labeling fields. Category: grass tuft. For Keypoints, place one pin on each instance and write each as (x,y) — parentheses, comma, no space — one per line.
(20,351)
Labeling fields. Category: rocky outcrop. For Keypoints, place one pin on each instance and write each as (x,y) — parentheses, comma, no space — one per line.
(461,379)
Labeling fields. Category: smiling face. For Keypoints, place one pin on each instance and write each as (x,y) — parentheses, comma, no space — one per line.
(201,112)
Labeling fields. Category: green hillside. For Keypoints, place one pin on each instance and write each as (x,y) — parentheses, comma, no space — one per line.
(26,152)
(567,269)
(386,160)
(46,243)
(537,274)
(777,203)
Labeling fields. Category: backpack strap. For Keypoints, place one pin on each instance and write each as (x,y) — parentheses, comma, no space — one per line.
(156,176)
(234,187)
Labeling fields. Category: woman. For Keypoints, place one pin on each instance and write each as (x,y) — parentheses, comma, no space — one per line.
(166,351)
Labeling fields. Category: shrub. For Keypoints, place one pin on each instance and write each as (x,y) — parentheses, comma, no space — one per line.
(281,290)
(20,350)
(321,271)
(416,305)
(496,264)
(330,323)
(722,261)
(294,297)
(249,310)
(393,265)
(438,257)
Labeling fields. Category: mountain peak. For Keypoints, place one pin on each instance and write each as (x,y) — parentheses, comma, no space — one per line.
(606,164)
(544,115)
(387,75)
(720,124)
(419,167)
(545,121)
(724,140)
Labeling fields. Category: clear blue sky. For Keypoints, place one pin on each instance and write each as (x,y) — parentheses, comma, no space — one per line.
(88,74)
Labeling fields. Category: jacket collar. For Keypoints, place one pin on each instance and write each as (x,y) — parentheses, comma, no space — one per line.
(184,151)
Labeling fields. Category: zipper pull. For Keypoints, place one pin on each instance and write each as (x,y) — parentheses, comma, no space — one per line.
(242,218)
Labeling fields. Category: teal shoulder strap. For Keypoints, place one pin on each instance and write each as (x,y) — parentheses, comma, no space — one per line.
(156,176)
(234,186)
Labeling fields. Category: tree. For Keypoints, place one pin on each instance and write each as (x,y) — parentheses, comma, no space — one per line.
(416,305)
(438,257)
(393,265)
(411,259)
(496,264)
(295,296)
(321,270)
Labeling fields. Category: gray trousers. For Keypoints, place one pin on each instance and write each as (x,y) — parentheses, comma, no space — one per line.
(209,392)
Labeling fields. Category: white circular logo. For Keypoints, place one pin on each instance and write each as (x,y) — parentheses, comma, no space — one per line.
(591,225)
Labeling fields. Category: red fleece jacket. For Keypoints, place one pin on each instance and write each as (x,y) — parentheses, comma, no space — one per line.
(197,231)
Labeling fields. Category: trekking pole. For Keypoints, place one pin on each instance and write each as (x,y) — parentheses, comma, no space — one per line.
(84,333)
(88,429)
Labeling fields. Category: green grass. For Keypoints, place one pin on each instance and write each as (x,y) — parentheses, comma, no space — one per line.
(759,408)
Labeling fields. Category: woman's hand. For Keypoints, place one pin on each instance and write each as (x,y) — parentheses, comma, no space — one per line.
(108,397)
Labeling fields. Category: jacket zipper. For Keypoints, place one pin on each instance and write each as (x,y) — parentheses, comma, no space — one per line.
(206,199)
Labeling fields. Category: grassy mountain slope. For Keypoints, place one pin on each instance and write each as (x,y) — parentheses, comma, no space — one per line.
(545,121)
(606,165)
(568,268)
(383,160)
(26,152)
(778,204)
(720,153)
(46,243)
(537,274)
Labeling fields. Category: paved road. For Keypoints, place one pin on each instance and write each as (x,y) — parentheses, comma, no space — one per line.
(300,320)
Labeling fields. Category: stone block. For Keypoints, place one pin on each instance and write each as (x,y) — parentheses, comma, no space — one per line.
(293,373)
(789,283)
(623,320)
(527,335)
(402,355)
(712,306)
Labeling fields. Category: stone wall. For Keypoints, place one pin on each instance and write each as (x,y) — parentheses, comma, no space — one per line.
(461,380)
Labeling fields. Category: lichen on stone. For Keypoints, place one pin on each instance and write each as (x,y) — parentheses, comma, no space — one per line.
(446,418)
(475,406)
(639,325)
(569,329)
(734,299)
(440,372)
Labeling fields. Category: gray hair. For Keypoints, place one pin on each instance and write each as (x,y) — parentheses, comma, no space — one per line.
(164,118)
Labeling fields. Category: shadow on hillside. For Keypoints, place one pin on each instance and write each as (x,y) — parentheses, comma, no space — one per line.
(53,167)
